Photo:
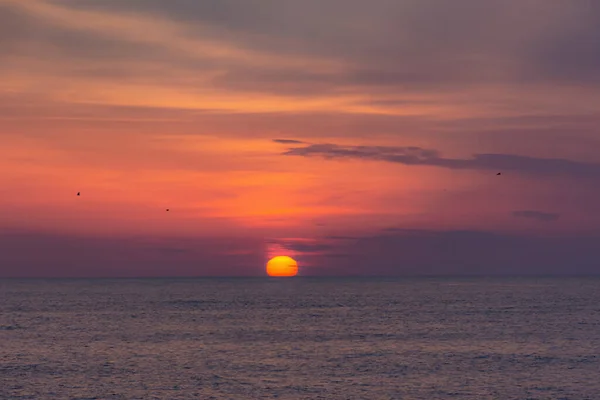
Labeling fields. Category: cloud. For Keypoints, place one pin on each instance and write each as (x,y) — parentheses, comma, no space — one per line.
(393,252)
(301,245)
(141,28)
(309,47)
(537,215)
(463,252)
(33,254)
(337,237)
(427,157)
(408,41)
(402,251)
(288,141)
(407,231)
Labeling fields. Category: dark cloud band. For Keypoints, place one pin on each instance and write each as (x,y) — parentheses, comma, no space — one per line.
(428,157)
(537,215)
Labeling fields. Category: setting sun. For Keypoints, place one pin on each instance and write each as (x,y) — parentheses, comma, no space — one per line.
(282,266)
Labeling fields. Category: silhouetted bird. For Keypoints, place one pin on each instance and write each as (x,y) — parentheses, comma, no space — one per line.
(78,193)
(167,209)
(499,173)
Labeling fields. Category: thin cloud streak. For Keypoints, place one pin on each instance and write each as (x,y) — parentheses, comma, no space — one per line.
(536,215)
(288,141)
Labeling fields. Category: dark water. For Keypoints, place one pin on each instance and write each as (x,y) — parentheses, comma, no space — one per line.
(300,339)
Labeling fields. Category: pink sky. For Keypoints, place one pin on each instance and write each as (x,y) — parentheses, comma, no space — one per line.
(358,137)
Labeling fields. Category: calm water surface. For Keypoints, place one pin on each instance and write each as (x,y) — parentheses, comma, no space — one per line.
(300,339)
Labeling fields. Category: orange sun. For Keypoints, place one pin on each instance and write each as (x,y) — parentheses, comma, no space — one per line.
(282,266)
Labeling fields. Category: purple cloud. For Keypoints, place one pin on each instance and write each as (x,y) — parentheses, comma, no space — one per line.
(428,157)
(537,215)
(288,141)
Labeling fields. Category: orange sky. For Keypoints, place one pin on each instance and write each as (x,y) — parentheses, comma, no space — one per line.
(147,106)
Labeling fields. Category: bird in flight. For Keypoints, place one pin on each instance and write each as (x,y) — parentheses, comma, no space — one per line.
(167,209)
(78,193)
(499,173)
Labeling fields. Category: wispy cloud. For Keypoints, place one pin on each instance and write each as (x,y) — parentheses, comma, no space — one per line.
(288,141)
(301,245)
(537,215)
(426,157)
(337,237)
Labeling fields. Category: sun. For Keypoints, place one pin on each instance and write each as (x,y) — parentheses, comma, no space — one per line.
(282,266)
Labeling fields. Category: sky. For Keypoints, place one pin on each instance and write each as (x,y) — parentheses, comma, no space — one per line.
(358,137)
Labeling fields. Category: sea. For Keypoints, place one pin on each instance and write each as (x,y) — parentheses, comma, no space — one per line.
(300,338)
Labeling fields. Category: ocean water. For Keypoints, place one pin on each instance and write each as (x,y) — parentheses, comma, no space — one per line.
(300,338)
